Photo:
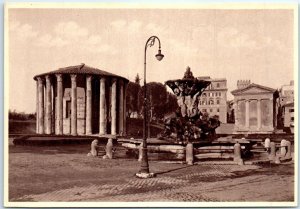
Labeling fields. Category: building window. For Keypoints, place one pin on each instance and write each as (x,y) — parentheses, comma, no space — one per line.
(218,85)
(291,110)
(211,102)
(218,110)
(204,110)
(210,110)
(218,102)
(292,119)
(204,94)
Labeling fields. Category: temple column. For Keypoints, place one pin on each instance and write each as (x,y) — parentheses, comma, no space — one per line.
(37,107)
(73,104)
(88,119)
(59,105)
(48,116)
(124,111)
(271,116)
(41,105)
(114,107)
(121,108)
(102,110)
(258,114)
(247,114)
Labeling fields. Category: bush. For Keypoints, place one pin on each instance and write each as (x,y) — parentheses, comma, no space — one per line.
(13,115)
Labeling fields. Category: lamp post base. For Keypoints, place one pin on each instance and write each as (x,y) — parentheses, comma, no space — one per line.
(145,175)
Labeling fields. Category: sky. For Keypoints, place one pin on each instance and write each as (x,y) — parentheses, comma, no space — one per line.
(221,43)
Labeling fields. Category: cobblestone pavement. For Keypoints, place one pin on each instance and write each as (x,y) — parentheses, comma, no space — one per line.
(219,183)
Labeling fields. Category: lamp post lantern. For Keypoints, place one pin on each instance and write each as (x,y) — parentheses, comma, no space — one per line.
(144,170)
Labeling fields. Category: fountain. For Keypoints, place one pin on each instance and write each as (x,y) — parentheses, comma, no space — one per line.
(189,124)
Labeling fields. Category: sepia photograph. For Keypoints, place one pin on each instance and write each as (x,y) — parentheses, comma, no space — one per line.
(150,105)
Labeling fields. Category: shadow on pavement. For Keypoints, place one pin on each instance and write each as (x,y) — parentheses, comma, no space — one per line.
(175,169)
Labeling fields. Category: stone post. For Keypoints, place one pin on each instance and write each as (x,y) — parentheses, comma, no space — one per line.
(73,104)
(94,149)
(258,114)
(88,119)
(288,154)
(41,105)
(247,114)
(48,115)
(140,152)
(114,107)
(59,107)
(189,153)
(272,151)
(102,110)
(237,154)
(109,149)
(37,107)
(267,144)
(121,108)
(283,147)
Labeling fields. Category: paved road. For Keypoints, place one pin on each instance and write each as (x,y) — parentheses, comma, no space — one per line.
(218,183)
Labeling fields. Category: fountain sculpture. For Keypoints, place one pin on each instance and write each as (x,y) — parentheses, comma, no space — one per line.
(189,123)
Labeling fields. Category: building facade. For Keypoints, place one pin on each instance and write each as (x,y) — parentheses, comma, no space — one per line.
(286,94)
(80,100)
(288,117)
(286,98)
(214,98)
(255,108)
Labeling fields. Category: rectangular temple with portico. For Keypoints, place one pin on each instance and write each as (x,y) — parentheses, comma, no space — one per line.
(255,108)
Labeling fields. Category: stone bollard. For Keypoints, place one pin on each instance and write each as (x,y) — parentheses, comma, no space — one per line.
(267,144)
(189,154)
(237,154)
(277,160)
(109,149)
(94,148)
(272,151)
(283,147)
(288,154)
(140,152)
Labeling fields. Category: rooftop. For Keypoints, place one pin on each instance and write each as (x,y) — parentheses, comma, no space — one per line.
(80,69)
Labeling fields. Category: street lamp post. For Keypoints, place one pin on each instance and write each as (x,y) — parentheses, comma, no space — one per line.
(144,170)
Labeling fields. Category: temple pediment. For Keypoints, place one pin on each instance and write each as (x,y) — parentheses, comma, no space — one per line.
(253,89)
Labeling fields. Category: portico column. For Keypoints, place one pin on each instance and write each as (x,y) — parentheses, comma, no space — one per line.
(114,107)
(73,104)
(41,105)
(121,108)
(59,105)
(124,111)
(102,111)
(258,114)
(37,107)
(88,119)
(247,114)
(48,116)
(271,114)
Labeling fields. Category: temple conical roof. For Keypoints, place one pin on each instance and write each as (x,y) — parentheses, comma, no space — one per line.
(80,69)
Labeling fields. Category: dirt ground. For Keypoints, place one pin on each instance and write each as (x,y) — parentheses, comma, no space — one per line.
(65,173)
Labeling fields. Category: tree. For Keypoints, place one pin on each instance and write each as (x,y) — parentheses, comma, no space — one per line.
(160,101)
(137,79)
(132,96)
